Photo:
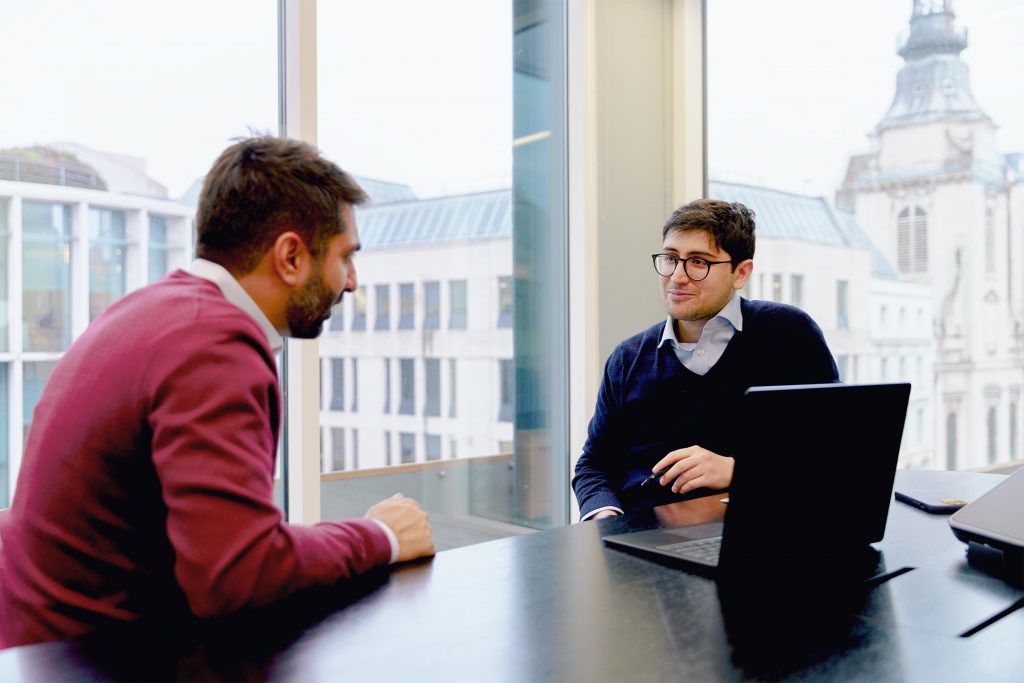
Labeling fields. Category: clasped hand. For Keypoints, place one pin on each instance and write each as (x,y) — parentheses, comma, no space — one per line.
(695,467)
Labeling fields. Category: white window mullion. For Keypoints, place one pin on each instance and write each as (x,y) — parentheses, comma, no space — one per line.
(15,294)
(302,410)
(79,269)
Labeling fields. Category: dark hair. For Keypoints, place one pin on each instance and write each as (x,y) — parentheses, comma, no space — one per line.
(262,186)
(729,224)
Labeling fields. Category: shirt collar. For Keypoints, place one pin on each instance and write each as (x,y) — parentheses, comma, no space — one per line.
(731,312)
(233,292)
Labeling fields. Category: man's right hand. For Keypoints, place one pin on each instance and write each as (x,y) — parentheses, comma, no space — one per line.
(605,513)
(404,517)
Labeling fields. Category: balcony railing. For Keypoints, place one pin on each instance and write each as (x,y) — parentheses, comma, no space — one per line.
(48,172)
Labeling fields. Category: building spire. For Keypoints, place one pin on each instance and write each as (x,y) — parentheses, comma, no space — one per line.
(933,82)
(932,31)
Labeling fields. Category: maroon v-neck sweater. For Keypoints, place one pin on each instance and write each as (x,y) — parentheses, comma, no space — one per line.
(145,491)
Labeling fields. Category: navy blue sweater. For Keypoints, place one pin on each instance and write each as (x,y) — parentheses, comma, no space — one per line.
(649,404)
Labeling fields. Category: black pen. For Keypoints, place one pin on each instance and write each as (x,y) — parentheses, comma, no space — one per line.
(656,475)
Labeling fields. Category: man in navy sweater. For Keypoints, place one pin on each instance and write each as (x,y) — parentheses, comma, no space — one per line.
(669,394)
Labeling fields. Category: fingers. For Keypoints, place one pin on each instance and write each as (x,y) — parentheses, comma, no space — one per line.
(672,458)
(680,468)
(687,485)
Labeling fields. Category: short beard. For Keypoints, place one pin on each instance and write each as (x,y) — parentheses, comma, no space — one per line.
(310,307)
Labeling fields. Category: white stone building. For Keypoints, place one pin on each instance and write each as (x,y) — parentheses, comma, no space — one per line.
(71,241)
(945,206)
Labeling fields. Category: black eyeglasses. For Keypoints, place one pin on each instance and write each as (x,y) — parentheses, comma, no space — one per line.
(695,267)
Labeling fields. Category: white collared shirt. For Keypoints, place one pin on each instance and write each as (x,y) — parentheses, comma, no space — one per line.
(701,356)
(233,292)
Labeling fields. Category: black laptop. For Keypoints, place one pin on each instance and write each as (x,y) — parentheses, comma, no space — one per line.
(813,481)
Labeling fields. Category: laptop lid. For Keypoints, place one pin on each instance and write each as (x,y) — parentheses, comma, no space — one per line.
(813,475)
(995,518)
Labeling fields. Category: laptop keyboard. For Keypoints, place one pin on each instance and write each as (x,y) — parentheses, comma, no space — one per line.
(703,551)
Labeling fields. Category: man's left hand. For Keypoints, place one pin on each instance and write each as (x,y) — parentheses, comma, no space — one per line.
(695,467)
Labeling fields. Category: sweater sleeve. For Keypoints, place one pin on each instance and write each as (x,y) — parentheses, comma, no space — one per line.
(213,447)
(599,468)
(817,366)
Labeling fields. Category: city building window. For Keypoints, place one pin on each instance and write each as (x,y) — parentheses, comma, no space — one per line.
(406,306)
(842,322)
(777,287)
(159,248)
(884,370)
(993,435)
(507,405)
(5,456)
(355,449)
(387,448)
(382,294)
(337,384)
(1013,429)
(407,379)
(457,295)
(407,454)
(34,377)
(355,384)
(453,448)
(796,290)
(452,384)
(951,441)
(505,302)
(387,386)
(359,309)
(337,318)
(46,257)
(108,246)
(432,402)
(431,305)
(841,366)
(912,240)
(4,269)
(433,447)
(337,449)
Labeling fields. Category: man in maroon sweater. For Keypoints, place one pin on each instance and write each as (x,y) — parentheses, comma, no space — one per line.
(145,491)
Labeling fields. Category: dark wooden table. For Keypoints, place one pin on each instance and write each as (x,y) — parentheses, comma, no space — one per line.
(558,606)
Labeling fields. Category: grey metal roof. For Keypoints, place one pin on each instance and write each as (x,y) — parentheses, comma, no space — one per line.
(793,216)
(483,215)
(384,192)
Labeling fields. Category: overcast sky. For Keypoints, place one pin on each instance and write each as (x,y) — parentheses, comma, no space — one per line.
(420,92)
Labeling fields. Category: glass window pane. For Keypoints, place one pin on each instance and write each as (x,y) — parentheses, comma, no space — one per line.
(4,269)
(925,270)
(337,384)
(34,378)
(107,258)
(431,305)
(433,447)
(359,309)
(505,302)
(457,294)
(382,299)
(407,379)
(439,233)
(432,404)
(408,447)
(5,456)
(46,266)
(101,165)
(407,306)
